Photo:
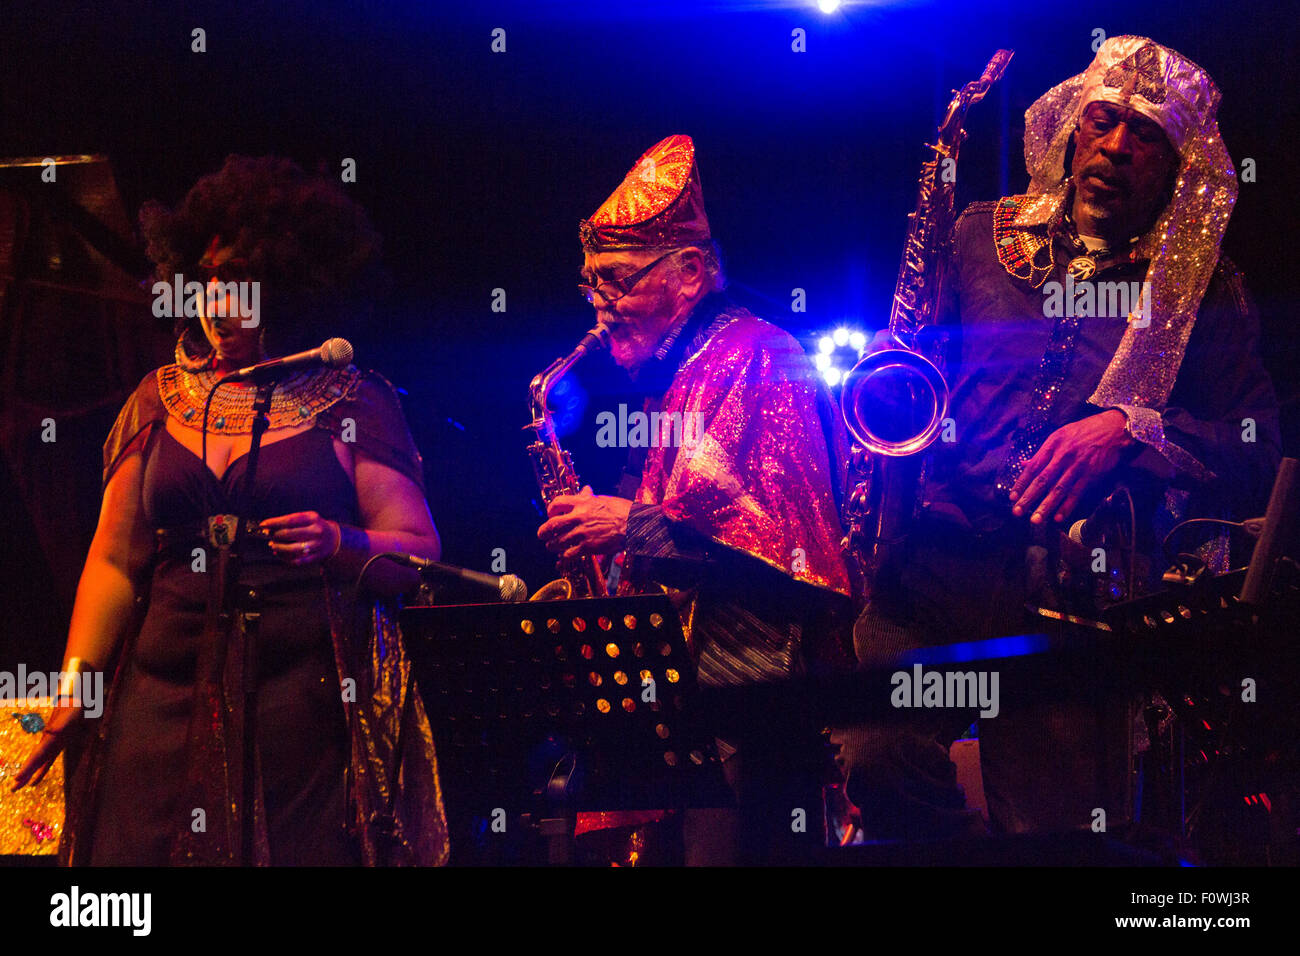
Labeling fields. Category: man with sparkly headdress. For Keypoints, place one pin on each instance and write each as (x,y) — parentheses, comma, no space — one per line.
(1064,391)
(739,517)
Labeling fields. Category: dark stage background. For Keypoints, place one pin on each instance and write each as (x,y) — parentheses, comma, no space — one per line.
(476,167)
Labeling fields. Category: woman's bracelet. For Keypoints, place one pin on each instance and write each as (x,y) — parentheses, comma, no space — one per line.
(354,539)
(68,677)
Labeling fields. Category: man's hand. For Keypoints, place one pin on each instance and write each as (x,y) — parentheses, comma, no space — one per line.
(585,524)
(1069,461)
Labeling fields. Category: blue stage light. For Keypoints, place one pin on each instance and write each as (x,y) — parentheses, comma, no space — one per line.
(1020,645)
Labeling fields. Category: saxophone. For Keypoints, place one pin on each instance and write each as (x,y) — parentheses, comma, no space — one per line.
(894,401)
(581,576)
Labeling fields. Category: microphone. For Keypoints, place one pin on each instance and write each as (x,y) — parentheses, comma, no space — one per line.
(334,353)
(1090,531)
(510,587)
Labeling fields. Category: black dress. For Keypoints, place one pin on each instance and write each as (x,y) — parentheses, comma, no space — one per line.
(340,777)
(301,732)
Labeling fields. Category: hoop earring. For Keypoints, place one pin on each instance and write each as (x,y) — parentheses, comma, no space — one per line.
(191,363)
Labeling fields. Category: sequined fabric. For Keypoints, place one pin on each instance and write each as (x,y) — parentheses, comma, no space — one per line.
(659,204)
(757,476)
(397,797)
(31,820)
(1183,246)
(1037,423)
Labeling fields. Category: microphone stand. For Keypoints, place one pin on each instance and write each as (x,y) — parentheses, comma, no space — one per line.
(238,697)
(248,677)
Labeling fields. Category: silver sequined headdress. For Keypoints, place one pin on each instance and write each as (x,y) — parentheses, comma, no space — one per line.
(1183,246)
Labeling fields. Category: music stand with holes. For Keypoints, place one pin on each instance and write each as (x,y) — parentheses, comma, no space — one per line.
(542,710)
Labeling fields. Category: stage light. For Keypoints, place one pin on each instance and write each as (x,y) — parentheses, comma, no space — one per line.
(828,6)
(832,376)
(858,341)
(826,345)
(822,361)
(841,336)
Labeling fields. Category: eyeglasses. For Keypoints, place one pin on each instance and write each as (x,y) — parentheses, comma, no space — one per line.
(623,286)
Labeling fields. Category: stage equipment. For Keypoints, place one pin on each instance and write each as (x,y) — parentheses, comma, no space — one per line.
(542,711)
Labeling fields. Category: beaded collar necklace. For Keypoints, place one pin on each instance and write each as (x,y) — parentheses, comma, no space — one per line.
(297,400)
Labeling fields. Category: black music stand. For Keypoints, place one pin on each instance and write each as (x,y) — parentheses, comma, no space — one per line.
(541,710)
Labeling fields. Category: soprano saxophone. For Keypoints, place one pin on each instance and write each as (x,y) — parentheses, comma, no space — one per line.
(580,576)
(894,401)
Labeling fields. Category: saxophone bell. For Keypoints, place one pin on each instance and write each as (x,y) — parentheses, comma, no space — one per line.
(894,402)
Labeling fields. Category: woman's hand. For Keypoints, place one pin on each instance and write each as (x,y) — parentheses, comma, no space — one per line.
(65,720)
(301,538)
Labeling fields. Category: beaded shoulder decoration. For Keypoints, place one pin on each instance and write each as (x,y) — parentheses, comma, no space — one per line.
(297,400)
(1025,253)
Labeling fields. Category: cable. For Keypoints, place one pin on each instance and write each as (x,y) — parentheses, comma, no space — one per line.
(392,555)
(1165,542)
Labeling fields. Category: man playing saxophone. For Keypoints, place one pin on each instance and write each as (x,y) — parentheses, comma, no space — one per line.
(1059,398)
(738,518)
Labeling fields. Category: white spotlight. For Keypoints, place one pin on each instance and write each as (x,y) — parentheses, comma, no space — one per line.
(832,376)
(841,336)
(828,6)
(822,361)
(825,345)
(858,341)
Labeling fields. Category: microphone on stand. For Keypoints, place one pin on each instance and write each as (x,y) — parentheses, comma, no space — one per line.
(1101,530)
(333,353)
(1092,530)
(510,587)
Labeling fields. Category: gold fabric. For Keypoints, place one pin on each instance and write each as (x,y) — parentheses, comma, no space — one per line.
(31,820)
(397,800)
(659,204)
